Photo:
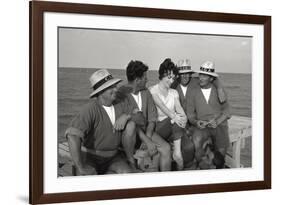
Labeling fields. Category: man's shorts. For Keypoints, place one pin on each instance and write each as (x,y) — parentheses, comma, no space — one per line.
(101,164)
(169,131)
(219,135)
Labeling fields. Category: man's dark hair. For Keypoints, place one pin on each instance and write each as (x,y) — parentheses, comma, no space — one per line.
(166,67)
(135,69)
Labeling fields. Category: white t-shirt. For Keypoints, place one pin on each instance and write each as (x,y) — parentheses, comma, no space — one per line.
(111,113)
(183,88)
(206,93)
(169,100)
(138,99)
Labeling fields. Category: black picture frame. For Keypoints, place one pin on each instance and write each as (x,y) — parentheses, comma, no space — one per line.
(36,104)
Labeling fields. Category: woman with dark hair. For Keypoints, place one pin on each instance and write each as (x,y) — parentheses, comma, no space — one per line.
(171,116)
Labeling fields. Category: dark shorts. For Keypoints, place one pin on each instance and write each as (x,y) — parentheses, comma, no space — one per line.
(169,131)
(101,164)
(219,135)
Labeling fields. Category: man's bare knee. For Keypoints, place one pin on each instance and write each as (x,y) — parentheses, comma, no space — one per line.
(199,153)
(165,149)
(197,141)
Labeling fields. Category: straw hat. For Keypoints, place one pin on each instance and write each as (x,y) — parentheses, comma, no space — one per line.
(208,68)
(100,80)
(184,66)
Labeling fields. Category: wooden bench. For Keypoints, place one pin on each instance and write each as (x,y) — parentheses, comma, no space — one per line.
(239,129)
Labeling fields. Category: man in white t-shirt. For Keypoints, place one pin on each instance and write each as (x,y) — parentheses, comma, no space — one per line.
(139,98)
(187,81)
(99,128)
(207,113)
(184,84)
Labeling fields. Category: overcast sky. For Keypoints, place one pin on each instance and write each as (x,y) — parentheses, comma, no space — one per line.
(90,48)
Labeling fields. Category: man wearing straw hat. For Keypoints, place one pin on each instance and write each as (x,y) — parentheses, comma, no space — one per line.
(98,129)
(207,113)
(184,84)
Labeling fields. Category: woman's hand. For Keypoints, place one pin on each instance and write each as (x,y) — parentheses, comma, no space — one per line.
(180,120)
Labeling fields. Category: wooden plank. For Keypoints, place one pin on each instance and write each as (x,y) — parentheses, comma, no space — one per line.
(64,150)
(236,153)
(239,129)
(244,133)
(66,170)
(65,160)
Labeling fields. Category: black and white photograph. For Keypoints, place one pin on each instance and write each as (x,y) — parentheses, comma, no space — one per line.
(140,102)
(123,102)
(135,102)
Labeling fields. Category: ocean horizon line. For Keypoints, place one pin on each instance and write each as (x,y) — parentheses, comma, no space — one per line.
(89,68)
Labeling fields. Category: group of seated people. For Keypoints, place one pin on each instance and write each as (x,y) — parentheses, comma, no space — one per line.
(180,123)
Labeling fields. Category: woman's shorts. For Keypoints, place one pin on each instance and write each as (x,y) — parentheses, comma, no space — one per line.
(169,131)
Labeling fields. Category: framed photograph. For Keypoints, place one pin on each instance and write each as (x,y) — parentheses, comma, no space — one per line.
(72,45)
